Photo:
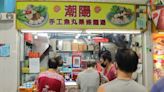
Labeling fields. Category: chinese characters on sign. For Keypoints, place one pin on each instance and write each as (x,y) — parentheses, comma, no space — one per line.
(77,22)
(70,11)
(82,12)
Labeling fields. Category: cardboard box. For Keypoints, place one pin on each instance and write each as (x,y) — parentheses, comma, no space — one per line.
(75,47)
(80,47)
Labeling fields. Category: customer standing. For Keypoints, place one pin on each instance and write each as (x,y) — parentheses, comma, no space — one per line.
(158,87)
(127,61)
(51,81)
(107,64)
(89,80)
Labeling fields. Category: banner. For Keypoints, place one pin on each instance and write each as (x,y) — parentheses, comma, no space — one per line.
(158,18)
(74,15)
(157,2)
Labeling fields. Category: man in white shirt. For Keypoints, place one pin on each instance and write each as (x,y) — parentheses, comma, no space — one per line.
(89,80)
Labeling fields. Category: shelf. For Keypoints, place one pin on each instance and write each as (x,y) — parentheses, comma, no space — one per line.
(25,70)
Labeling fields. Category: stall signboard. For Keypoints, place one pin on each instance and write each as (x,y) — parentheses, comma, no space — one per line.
(75,15)
(158,55)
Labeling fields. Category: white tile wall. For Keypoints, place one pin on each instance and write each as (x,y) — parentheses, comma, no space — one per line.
(9,66)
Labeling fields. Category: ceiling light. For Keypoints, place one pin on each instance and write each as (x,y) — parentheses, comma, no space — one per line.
(113,31)
(35,37)
(52,31)
(89,37)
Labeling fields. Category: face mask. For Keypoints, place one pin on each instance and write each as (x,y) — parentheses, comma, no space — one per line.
(103,65)
(60,65)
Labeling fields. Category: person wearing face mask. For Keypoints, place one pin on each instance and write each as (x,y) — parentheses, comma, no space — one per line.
(108,65)
(126,63)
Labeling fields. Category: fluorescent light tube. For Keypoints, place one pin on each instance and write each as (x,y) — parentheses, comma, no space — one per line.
(52,31)
(113,31)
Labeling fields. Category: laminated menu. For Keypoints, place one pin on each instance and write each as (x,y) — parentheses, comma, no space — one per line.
(34,65)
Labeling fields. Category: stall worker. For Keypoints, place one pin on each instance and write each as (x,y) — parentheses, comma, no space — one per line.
(108,65)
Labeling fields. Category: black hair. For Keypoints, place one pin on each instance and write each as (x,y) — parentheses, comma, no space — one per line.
(52,63)
(127,60)
(106,55)
(55,62)
(100,53)
(59,59)
(91,63)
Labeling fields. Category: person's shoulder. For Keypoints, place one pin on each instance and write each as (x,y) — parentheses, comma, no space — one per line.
(139,86)
(102,88)
(109,84)
(161,81)
(106,86)
(82,73)
(42,74)
(60,76)
(159,84)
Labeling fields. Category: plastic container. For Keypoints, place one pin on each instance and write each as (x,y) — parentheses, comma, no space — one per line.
(9,5)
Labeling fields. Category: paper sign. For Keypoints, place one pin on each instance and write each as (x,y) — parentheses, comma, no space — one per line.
(76,61)
(4,50)
(34,65)
(141,22)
